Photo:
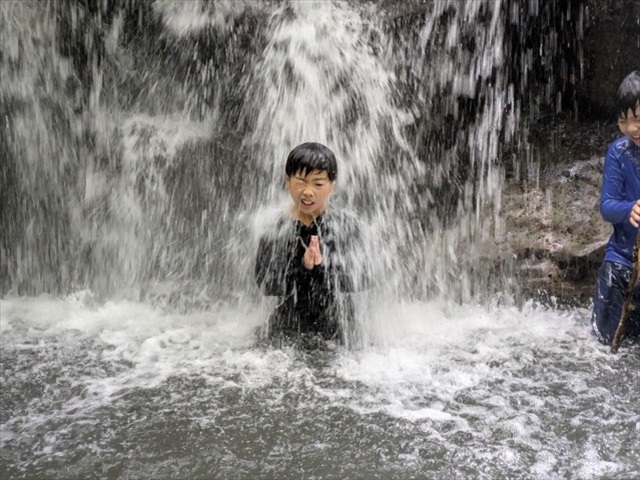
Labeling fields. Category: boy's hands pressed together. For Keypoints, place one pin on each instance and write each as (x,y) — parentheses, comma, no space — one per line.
(634,217)
(312,255)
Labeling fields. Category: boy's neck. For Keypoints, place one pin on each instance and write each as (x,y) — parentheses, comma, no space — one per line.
(303,218)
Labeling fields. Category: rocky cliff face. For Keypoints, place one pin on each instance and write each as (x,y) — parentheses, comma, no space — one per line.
(553,226)
(611,51)
(555,233)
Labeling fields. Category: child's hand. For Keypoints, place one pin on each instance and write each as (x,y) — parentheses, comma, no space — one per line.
(313,257)
(634,218)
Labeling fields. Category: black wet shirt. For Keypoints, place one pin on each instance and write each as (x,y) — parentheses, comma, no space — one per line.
(311,300)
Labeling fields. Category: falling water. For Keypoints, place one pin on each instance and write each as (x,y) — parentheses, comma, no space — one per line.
(143,150)
(153,191)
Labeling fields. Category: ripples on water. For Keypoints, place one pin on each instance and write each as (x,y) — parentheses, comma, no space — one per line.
(123,391)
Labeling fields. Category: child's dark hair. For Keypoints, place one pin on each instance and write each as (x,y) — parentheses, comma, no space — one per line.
(311,156)
(628,96)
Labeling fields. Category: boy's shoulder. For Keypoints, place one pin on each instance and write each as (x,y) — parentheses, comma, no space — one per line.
(343,222)
(272,222)
(623,147)
(341,216)
(282,225)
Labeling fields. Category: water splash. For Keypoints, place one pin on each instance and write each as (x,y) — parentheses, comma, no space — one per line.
(87,380)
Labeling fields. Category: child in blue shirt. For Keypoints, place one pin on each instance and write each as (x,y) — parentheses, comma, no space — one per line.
(620,206)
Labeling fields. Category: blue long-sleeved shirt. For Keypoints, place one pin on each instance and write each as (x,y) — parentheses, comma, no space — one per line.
(620,191)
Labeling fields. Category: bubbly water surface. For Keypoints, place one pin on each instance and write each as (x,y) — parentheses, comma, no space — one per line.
(120,390)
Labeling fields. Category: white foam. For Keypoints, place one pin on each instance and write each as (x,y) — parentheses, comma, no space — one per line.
(494,373)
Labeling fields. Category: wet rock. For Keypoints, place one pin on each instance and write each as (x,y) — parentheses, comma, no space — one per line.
(611,37)
(554,230)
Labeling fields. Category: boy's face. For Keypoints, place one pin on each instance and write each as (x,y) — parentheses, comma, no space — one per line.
(309,192)
(630,126)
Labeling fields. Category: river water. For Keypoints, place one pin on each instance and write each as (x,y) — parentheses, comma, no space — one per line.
(119,390)
(138,183)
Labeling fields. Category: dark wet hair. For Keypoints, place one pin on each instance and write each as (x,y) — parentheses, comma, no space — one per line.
(628,96)
(311,156)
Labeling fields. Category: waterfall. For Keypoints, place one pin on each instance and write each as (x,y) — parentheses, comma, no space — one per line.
(143,141)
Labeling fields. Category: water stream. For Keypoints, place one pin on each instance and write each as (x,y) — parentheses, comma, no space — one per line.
(136,181)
